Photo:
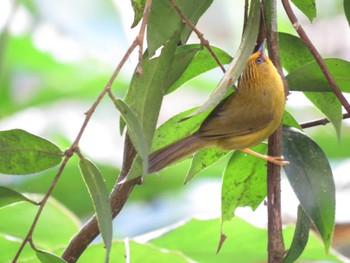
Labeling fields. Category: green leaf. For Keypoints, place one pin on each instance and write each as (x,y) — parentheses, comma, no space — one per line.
(203,159)
(164,21)
(239,61)
(301,236)
(199,61)
(138,6)
(25,153)
(99,195)
(308,7)
(310,176)
(55,228)
(289,120)
(145,93)
(8,197)
(329,105)
(136,252)
(293,51)
(176,128)
(244,182)
(197,240)
(47,257)
(309,77)
(347,10)
(137,136)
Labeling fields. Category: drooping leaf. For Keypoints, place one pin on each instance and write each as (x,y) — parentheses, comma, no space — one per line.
(137,136)
(164,21)
(138,6)
(310,77)
(203,159)
(48,257)
(237,65)
(329,105)
(347,10)
(293,51)
(9,196)
(300,238)
(308,7)
(201,61)
(100,198)
(244,182)
(310,176)
(24,153)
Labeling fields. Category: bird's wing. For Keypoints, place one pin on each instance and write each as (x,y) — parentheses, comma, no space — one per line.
(236,117)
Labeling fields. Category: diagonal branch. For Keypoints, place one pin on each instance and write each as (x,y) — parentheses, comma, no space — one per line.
(318,122)
(316,55)
(200,35)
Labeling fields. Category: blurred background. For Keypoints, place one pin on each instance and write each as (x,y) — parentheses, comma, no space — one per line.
(55,58)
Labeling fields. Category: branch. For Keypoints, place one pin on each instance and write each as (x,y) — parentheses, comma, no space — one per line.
(120,192)
(316,55)
(318,122)
(276,248)
(200,35)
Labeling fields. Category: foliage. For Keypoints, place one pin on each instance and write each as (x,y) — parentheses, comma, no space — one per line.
(43,164)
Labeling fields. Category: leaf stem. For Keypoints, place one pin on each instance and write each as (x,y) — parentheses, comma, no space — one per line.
(199,34)
(293,19)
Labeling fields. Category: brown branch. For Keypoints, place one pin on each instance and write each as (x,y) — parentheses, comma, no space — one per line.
(318,122)
(73,148)
(141,35)
(316,55)
(276,248)
(200,35)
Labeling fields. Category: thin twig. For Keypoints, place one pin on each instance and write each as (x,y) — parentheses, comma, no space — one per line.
(318,122)
(72,149)
(316,55)
(140,37)
(199,34)
(276,248)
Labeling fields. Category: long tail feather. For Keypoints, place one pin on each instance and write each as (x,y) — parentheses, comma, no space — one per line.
(173,152)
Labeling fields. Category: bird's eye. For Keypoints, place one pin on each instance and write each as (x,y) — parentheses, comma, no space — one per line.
(259,60)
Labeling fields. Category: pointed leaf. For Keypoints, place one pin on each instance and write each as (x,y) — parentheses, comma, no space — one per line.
(201,62)
(100,198)
(203,159)
(329,105)
(309,77)
(25,153)
(9,196)
(308,7)
(237,65)
(164,21)
(137,136)
(244,182)
(300,238)
(347,10)
(48,257)
(310,176)
(138,6)
(145,93)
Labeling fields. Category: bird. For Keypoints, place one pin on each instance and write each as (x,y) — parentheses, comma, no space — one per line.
(240,121)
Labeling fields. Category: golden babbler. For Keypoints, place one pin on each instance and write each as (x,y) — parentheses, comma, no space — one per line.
(242,120)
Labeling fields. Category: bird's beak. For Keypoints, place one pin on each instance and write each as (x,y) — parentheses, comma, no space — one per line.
(262,48)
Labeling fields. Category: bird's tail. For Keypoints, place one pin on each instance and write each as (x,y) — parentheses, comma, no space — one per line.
(173,152)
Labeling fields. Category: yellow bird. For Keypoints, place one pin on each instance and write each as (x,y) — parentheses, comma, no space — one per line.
(240,121)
